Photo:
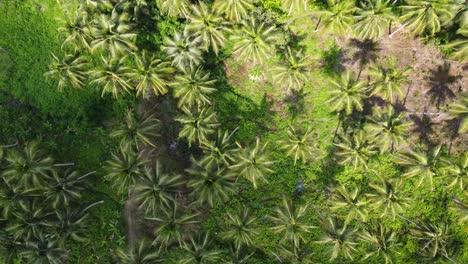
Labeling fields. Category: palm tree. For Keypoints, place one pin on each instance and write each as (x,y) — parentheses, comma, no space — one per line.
(10,248)
(150,74)
(30,221)
(387,197)
(435,237)
(356,150)
(209,25)
(113,34)
(124,170)
(197,125)
(238,256)
(11,197)
(460,111)
(141,253)
(28,168)
(200,252)
(294,255)
(172,225)
(156,189)
(43,250)
(234,10)
(460,45)
(381,239)
(240,228)
(300,145)
(77,29)
(253,163)
(427,16)
(456,172)
(388,129)
(424,164)
(112,76)
(387,79)
(221,151)
(339,237)
(254,40)
(66,188)
(350,201)
(70,70)
(338,17)
(294,6)
(294,73)
(134,133)
(173,8)
(193,88)
(183,50)
(372,18)
(210,184)
(347,93)
(290,221)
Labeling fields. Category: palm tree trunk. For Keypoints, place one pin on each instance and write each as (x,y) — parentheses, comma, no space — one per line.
(10,146)
(390,28)
(337,126)
(64,164)
(407,93)
(318,24)
(397,30)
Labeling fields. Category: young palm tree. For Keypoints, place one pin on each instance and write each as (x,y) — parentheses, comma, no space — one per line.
(435,238)
(113,34)
(199,251)
(294,255)
(294,6)
(388,129)
(209,25)
(300,145)
(77,29)
(356,150)
(456,172)
(254,40)
(347,93)
(124,170)
(387,198)
(184,50)
(219,152)
(339,237)
(150,74)
(70,70)
(290,221)
(197,125)
(460,45)
(240,228)
(210,184)
(382,241)
(112,76)
(43,250)
(338,17)
(373,18)
(173,8)
(294,73)
(172,225)
(350,201)
(234,10)
(156,189)
(10,248)
(387,80)
(420,163)
(141,253)
(460,111)
(253,163)
(65,189)
(193,88)
(11,197)
(30,222)
(134,133)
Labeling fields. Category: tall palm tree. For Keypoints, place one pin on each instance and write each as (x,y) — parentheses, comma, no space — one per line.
(113,34)
(435,237)
(184,50)
(300,145)
(460,45)
(209,25)
(294,73)
(294,6)
(210,184)
(193,88)
(43,250)
(253,163)
(199,251)
(460,111)
(421,163)
(234,10)
(387,198)
(66,188)
(372,18)
(388,129)
(156,189)
(340,237)
(77,30)
(30,221)
(11,197)
(294,255)
(124,170)
(141,253)
(456,171)
(355,150)
(112,75)
(382,240)
(221,151)
(350,201)
(290,221)
(70,70)
(387,79)
(134,8)
(10,248)
(240,228)
(347,93)
(427,16)
(135,133)
(338,17)
(150,74)
(197,125)
(254,40)
(172,226)
(173,8)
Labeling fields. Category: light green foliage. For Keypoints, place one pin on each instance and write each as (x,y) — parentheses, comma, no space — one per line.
(140,253)
(460,111)
(382,240)
(352,202)
(455,171)
(173,8)
(294,74)
(339,237)
(301,145)
(347,93)
(193,88)
(198,124)
(234,10)
(338,17)
(112,76)
(70,70)
(355,150)
(294,6)
(387,197)
(373,17)
(184,50)
(240,228)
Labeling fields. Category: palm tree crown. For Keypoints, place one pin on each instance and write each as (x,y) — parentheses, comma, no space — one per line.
(338,18)
(294,73)
(373,18)
(240,228)
(355,150)
(294,6)
(112,76)
(387,80)
(173,8)
(184,50)
(233,10)
(193,88)
(387,197)
(197,125)
(340,238)
(347,93)
(350,201)
(70,69)
(300,145)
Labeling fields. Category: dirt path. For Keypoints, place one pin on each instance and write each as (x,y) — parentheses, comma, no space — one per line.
(129,214)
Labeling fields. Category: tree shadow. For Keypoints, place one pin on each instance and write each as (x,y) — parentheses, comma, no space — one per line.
(423,126)
(366,52)
(439,82)
(332,61)
(371,102)
(296,102)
